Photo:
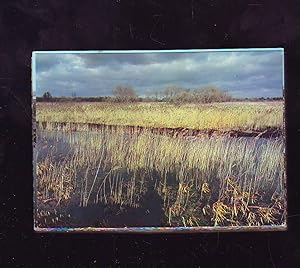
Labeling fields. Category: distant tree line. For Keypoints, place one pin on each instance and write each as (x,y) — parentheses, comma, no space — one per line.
(47,97)
(75,99)
(172,94)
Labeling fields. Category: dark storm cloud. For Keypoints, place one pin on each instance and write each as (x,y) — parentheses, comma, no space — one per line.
(242,73)
(96,60)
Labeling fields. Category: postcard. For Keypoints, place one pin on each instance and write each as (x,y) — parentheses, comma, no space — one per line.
(159,141)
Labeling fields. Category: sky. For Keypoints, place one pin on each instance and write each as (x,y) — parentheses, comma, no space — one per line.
(247,73)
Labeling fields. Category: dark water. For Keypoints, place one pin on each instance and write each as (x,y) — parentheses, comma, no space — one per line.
(149,213)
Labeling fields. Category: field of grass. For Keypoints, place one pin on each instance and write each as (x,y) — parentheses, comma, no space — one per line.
(220,116)
(201,182)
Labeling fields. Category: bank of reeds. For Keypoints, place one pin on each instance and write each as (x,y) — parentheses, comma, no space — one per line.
(221,116)
(203,181)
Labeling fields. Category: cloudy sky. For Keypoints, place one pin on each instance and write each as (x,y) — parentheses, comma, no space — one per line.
(242,73)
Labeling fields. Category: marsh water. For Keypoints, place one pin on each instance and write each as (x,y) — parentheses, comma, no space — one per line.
(147,208)
(63,142)
(59,144)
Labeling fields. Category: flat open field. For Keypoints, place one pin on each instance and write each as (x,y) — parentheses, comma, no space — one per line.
(224,116)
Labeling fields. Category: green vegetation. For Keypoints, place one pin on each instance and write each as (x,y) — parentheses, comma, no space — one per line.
(202,182)
(223,116)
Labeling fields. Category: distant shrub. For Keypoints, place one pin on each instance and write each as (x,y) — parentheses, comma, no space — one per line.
(204,95)
(183,97)
(125,94)
(47,95)
(211,94)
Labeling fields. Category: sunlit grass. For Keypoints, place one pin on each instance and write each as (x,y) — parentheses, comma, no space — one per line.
(217,179)
(224,116)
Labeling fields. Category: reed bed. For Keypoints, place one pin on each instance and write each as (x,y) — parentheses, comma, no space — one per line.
(221,116)
(201,181)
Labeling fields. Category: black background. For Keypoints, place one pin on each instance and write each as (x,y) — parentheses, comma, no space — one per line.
(26,26)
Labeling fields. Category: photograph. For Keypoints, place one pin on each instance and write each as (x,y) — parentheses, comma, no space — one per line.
(159,140)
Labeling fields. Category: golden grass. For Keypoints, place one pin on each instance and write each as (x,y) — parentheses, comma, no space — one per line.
(222,116)
(216,180)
